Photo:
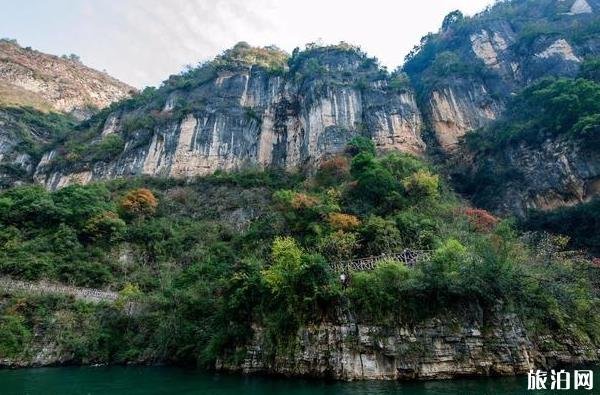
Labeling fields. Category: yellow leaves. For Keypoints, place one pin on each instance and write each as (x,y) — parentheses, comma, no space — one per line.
(422,184)
(345,222)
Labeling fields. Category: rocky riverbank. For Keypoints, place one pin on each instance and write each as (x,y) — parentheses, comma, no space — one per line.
(438,348)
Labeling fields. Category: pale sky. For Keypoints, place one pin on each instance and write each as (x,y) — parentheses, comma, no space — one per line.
(142,42)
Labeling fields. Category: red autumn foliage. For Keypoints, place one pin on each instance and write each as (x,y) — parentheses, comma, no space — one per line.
(481,220)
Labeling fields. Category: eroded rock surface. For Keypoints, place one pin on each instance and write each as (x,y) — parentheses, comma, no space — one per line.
(435,349)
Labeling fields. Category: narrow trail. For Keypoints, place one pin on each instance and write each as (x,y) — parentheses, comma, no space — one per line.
(87,294)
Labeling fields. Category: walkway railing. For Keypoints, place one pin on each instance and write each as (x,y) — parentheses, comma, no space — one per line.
(409,257)
(87,294)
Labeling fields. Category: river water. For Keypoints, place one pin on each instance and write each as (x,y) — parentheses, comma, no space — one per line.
(121,380)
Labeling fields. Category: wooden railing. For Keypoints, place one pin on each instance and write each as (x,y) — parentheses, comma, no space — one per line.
(408,257)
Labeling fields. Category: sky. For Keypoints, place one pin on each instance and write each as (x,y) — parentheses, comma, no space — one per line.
(142,42)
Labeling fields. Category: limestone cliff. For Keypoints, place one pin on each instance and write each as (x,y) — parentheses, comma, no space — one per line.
(559,172)
(259,107)
(467,72)
(437,348)
(472,69)
(233,113)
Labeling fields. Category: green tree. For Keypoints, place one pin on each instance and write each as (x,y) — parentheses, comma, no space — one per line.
(422,185)
(286,259)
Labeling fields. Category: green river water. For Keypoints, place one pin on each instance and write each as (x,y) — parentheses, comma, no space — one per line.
(119,380)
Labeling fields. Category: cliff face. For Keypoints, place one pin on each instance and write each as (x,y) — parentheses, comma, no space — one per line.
(467,72)
(245,115)
(41,98)
(253,108)
(435,349)
(55,83)
(559,172)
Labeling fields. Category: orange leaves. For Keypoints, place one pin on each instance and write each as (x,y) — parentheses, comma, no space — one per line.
(139,203)
(303,201)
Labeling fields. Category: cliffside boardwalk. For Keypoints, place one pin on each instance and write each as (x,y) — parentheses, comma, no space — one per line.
(86,294)
(408,257)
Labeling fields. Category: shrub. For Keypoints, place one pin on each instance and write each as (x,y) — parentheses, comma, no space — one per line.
(442,273)
(360,145)
(379,235)
(286,259)
(590,69)
(14,335)
(422,185)
(375,184)
(107,227)
(345,222)
(27,206)
(417,229)
(333,171)
(77,203)
(301,201)
(399,82)
(109,147)
(129,293)
(338,246)
(382,294)
(481,220)
(139,203)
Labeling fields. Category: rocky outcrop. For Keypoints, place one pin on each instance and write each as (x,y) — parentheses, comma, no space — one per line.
(41,97)
(435,349)
(56,83)
(580,7)
(494,55)
(248,116)
(455,110)
(559,172)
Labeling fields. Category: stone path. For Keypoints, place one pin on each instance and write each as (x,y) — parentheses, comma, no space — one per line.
(88,294)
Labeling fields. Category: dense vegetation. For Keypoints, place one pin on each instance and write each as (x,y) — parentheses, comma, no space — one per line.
(546,110)
(563,111)
(31,131)
(214,255)
(581,223)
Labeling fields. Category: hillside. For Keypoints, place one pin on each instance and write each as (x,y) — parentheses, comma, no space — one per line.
(241,271)
(46,82)
(262,108)
(228,202)
(510,103)
(42,97)
(466,73)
